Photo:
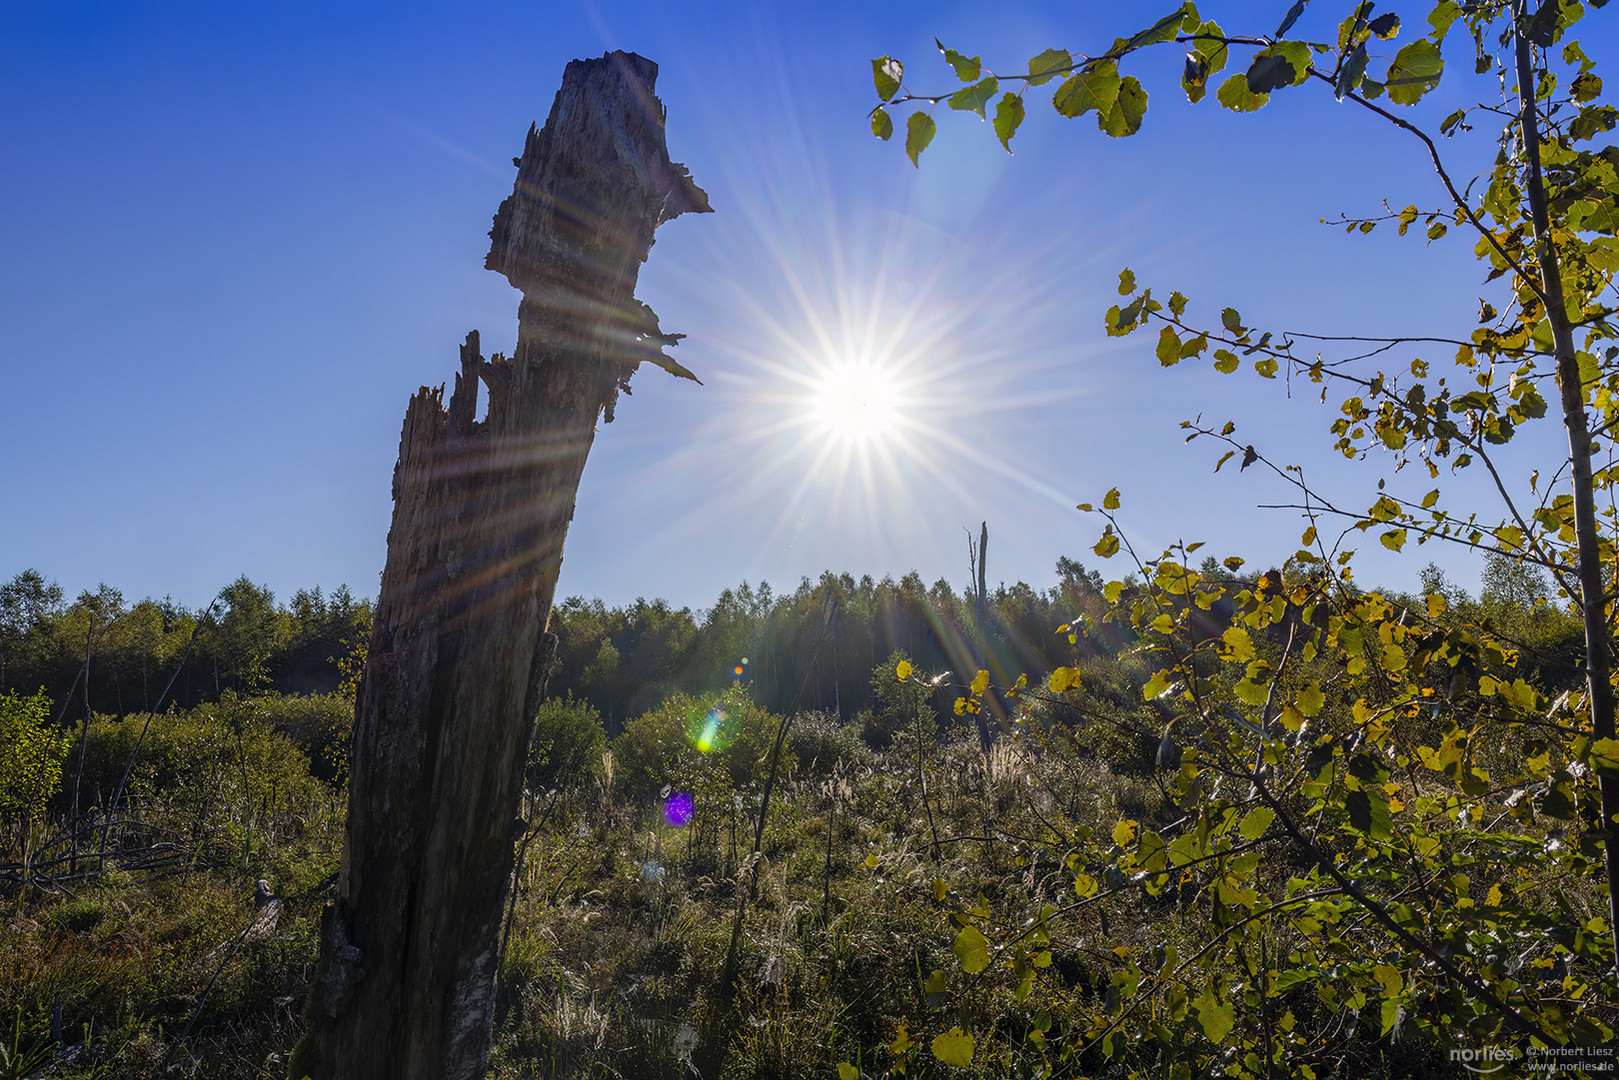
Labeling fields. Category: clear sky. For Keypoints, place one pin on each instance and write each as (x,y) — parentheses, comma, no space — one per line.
(236,238)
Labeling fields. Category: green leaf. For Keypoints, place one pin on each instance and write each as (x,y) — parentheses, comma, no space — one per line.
(1165,29)
(1231,319)
(1127,283)
(1225,361)
(1195,77)
(1440,18)
(1394,539)
(953,1047)
(1291,17)
(1415,71)
(1128,110)
(1385,26)
(1216,1017)
(882,125)
(1008,117)
(1585,87)
(1255,822)
(1350,72)
(1169,347)
(974,97)
(967,67)
(919,130)
(887,74)
(1235,95)
(1086,90)
(1368,813)
(1269,71)
(972,949)
(1044,67)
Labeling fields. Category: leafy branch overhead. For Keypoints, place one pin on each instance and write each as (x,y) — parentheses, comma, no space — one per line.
(1389,753)
(1353,65)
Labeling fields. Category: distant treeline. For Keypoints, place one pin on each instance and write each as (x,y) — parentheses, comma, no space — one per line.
(247,642)
(812,648)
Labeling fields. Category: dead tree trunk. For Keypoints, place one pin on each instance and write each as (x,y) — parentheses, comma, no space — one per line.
(405,986)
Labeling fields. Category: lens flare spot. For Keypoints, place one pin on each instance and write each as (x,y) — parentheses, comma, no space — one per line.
(711,731)
(678,808)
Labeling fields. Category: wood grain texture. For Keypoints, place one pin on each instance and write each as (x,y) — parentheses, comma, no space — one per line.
(405,987)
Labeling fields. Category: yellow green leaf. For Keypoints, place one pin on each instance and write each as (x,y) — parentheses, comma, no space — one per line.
(972,949)
(1239,646)
(1110,501)
(847,1071)
(1310,699)
(1124,833)
(1256,822)
(954,1047)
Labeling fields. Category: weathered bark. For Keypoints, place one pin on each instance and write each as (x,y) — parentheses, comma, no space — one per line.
(409,951)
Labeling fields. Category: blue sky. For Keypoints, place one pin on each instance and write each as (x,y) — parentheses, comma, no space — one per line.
(238,238)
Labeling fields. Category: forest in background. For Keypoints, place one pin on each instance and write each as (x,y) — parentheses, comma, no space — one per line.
(811,648)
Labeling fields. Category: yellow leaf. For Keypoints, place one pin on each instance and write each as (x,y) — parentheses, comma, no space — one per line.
(1110,501)
(1388,976)
(1436,605)
(954,1047)
(903,672)
(1311,699)
(1239,646)
(871,862)
(980,683)
(1124,833)
(1061,680)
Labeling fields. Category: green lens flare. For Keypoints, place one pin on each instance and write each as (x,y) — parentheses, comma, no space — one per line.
(711,731)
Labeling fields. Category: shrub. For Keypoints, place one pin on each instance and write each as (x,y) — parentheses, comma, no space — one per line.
(567,744)
(685,738)
(31,754)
